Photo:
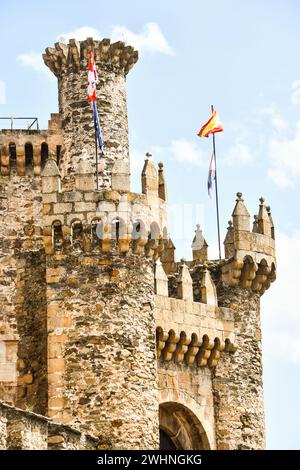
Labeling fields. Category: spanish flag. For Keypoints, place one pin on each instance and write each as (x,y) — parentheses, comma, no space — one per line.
(212,126)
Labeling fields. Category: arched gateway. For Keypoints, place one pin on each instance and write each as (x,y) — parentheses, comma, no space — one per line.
(180,428)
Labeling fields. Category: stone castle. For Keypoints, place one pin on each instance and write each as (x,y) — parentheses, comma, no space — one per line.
(106,341)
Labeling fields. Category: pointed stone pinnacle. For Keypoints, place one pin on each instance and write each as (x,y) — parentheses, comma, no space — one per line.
(148,155)
(239,196)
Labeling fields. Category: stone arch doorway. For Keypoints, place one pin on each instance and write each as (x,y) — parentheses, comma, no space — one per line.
(180,428)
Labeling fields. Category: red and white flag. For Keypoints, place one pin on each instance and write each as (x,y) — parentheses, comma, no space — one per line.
(92,79)
(92,96)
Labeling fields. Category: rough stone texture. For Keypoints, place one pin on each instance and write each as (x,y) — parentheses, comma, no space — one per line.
(20,246)
(66,438)
(101,321)
(3,432)
(24,430)
(238,382)
(190,388)
(31,311)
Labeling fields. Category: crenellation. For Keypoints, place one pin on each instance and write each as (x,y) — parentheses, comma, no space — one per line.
(199,246)
(263,220)
(162,187)
(184,283)
(29,147)
(271,222)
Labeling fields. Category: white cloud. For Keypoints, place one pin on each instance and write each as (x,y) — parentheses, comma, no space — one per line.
(34,60)
(2,92)
(187,151)
(238,154)
(150,40)
(137,159)
(284,155)
(79,34)
(279,124)
(180,150)
(280,313)
(295,97)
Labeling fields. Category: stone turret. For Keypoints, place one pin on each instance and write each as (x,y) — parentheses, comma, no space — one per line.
(238,383)
(162,187)
(249,253)
(69,64)
(199,245)
(240,215)
(149,176)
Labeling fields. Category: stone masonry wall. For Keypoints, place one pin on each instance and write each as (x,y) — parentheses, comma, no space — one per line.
(66,438)
(24,430)
(238,380)
(190,387)
(20,233)
(101,347)
(31,312)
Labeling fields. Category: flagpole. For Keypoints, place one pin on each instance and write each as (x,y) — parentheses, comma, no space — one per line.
(97,169)
(216,183)
(96,144)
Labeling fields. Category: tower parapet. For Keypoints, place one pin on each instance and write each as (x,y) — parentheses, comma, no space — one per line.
(24,152)
(251,254)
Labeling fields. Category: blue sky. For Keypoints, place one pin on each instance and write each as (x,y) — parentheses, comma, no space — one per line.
(239,56)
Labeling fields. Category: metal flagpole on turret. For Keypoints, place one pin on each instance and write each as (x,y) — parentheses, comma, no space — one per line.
(212,126)
(217,198)
(92,96)
(97,168)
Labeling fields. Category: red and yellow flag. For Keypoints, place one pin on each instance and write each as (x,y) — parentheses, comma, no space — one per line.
(212,126)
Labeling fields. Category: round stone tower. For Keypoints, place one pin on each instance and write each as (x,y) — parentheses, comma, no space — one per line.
(100,252)
(69,64)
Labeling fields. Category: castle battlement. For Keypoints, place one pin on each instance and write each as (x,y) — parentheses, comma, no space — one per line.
(74,56)
(103,220)
(193,333)
(251,254)
(26,151)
